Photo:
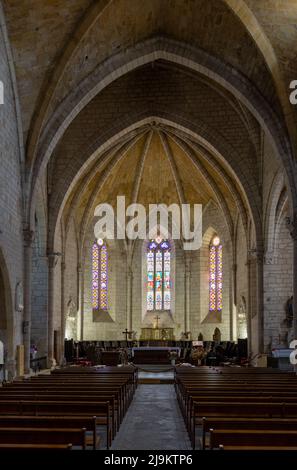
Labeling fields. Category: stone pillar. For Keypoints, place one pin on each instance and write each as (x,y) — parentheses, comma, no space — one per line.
(129,297)
(260,300)
(256,295)
(292,226)
(10,367)
(63,310)
(52,261)
(232,302)
(28,240)
(249,305)
(80,302)
(187,291)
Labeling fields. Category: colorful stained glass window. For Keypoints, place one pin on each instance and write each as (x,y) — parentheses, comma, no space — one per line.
(215,275)
(158,275)
(99,275)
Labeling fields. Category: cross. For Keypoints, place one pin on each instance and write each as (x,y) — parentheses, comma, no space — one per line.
(126,333)
(157,318)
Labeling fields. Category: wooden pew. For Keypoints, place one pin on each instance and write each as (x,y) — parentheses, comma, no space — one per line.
(57,397)
(90,424)
(216,423)
(61,408)
(77,392)
(46,447)
(246,410)
(240,439)
(45,436)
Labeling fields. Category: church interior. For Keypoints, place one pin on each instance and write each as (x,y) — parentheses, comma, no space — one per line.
(165,102)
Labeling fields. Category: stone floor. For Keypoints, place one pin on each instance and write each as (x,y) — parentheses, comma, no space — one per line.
(153,421)
(156,376)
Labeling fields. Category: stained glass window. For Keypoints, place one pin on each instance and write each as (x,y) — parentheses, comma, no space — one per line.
(215,275)
(158,275)
(99,275)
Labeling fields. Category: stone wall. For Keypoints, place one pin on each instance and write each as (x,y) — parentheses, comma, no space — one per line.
(278,287)
(213,222)
(11,237)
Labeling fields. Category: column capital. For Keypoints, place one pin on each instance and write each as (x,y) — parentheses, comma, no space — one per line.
(255,255)
(53,259)
(269,257)
(28,236)
(291,223)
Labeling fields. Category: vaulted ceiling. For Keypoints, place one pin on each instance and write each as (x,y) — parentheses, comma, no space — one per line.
(58,47)
(56,43)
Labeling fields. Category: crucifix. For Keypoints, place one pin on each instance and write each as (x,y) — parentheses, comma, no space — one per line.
(127,333)
(157,318)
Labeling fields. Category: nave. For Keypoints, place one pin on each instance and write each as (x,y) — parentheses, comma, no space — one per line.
(153,421)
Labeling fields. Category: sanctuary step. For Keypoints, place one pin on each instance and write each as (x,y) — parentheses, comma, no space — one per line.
(155,374)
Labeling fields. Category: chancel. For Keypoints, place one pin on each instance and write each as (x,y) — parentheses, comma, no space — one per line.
(123,117)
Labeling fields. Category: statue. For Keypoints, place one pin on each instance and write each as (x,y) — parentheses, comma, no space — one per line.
(289,312)
(71,320)
(164,334)
(200,336)
(286,326)
(19,297)
(217,335)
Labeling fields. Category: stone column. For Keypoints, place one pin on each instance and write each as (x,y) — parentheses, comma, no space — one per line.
(80,302)
(129,297)
(187,291)
(249,305)
(28,240)
(256,294)
(52,261)
(63,310)
(232,302)
(292,226)
(260,300)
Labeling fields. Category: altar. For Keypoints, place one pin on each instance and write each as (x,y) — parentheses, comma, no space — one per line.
(157,334)
(153,355)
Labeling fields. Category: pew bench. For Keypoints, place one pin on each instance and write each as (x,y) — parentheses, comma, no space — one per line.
(44,436)
(234,410)
(265,424)
(47,447)
(239,439)
(62,408)
(90,424)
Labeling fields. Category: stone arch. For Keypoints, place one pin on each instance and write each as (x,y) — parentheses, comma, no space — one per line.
(173,51)
(248,19)
(198,131)
(270,220)
(209,321)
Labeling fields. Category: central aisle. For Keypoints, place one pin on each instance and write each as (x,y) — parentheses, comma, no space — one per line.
(153,421)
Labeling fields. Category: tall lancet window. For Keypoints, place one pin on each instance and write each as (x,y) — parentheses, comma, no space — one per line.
(215,275)
(99,275)
(158,275)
